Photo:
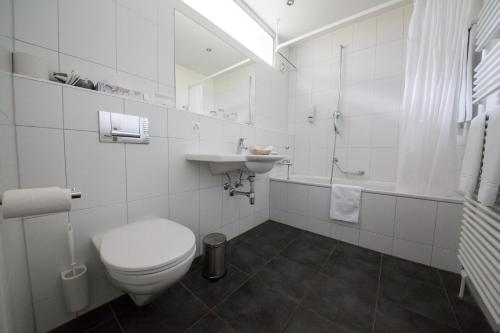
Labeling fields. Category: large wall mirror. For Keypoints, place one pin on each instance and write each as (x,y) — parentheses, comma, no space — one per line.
(211,77)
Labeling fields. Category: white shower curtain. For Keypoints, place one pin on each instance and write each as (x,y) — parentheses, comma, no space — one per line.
(196,98)
(435,60)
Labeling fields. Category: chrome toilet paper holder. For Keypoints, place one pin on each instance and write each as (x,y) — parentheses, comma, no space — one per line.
(74,195)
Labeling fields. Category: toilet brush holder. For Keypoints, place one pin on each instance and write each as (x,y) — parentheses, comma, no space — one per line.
(75,288)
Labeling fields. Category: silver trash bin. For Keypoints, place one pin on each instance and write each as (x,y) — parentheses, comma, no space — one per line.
(214,246)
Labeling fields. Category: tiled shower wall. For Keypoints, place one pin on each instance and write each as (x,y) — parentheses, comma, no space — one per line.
(57,143)
(373,78)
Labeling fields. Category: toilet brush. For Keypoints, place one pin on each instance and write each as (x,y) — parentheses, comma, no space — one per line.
(74,280)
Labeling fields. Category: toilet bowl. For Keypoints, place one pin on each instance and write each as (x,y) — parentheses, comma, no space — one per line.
(145,258)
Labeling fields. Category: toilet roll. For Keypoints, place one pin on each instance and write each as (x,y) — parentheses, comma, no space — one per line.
(35,201)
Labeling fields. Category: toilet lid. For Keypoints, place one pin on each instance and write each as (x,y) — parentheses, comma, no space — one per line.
(146,245)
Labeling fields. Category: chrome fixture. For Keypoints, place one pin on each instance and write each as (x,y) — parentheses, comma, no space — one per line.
(288,164)
(336,115)
(347,173)
(241,146)
(290,2)
(233,191)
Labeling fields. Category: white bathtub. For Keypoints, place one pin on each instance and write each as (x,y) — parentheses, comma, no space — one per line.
(419,228)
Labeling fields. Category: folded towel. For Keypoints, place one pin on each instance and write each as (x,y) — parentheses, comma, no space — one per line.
(472,157)
(490,175)
(345,203)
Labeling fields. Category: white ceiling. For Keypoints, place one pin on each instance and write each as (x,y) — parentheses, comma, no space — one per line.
(191,42)
(306,15)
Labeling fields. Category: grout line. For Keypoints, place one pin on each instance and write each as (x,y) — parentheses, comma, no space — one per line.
(449,302)
(116,318)
(374,321)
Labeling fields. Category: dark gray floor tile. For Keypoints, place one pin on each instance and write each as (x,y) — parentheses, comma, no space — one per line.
(354,265)
(256,308)
(287,276)
(392,266)
(248,257)
(174,311)
(275,238)
(210,324)
(87,321)
(352,308)
(212,292)
(393,318)
(310,249)
(110,326)
(419,297)
(469,316)
(305,321)
(451,282)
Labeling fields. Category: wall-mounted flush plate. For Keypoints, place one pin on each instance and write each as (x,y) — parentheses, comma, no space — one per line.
(122,128)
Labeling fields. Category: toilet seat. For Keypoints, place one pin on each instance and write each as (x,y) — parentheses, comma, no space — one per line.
(147,247)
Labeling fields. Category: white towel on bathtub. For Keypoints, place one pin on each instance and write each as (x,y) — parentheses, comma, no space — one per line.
(345,203)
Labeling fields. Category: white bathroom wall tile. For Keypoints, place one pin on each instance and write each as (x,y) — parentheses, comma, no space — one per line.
(277,215)
(231,133)
(342,155)
(147,169)
(344,233)
(211,129)
(79,39)
(390,26)
(96,169)
(136,44)
(147,9)
(375,242)
(445,259)
(36,22)
(261,216)
(389,59)
(297,198)
(342,36)
(47,250)
(365,34)
(245,209)
(319,202)
(261,195)
(448,222)
(385,130)
(6,98)
(8,162)
(81,108)
(157,116)
(415,220)
(318,133)
(322,47)
(6,19)
(210,210)
(49,56)
(183,175)
(412,251)
(325,103)
(182,124)
(359,99)
(230,208)
(51,312)
(322,79)
(41,157)
(184,209)
(132,81)
(304,54)
(231,230)
(38,103)
(319,227)
(362,66)
(278,195)
(296,221)
(246,223)
(360,131)
(304,81)
(146,209)
(87,69)
(88,223)
(387,94)
(359,160)
(318,158)
(384,163)
(378,213)
(301,162)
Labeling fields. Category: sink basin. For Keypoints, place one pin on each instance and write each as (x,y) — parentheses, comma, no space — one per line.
(221,163)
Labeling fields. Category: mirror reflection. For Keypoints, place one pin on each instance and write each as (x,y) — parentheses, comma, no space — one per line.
(211,77)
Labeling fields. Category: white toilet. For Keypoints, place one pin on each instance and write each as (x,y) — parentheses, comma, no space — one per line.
(145,258)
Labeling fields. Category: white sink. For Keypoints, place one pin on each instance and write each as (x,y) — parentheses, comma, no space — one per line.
(221,163)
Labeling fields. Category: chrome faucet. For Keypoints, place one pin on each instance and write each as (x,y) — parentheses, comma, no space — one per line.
(241,146)
(288,164)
